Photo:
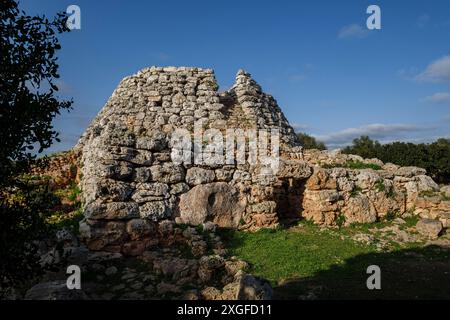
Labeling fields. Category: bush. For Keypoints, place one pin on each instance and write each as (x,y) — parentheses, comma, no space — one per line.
(22,225)
(29,103)
(309,142)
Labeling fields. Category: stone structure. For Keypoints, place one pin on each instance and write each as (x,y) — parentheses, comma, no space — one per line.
(335,194)
(132,185)
(130,182)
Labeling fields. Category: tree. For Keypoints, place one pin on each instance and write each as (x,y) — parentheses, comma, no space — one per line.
(365,147)
(28,104)
(28,69)
(309,142)
(434,157)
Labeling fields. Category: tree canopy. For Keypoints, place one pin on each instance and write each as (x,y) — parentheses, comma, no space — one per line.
(309,142)
(434,157)
(28,104)
(28,70)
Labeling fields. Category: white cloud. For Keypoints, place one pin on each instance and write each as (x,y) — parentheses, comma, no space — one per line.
(353,31)
(423,20)
(299,127)
(162,56)
(382,132)
(64,87)
(297,77)
(437,71)
(439,97)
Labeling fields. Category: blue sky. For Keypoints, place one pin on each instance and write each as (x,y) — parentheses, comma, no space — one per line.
(332,77)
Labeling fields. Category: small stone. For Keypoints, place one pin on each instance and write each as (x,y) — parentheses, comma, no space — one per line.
(444,218)
(128,276)
(209,226)
(97,267)
(107,296)
(399,221)
(118,287)
(150,288)
(110,271)
(136,286)
(164,288)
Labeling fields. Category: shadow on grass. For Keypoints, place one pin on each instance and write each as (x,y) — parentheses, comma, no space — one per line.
(422,273)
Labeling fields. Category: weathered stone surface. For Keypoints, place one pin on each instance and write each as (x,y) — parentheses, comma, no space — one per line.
(430,228)
(155,210)
(294,169)
(139,228)
(54,290)
(359,210)
(410,172)
(112,210)
(446,191)
(167,173)
(100,234)
(146,192)
(444,218)
(208,266)
(195,176)
(217,202)
(247,287)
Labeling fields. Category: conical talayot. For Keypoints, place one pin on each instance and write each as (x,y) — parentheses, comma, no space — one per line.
(131,181)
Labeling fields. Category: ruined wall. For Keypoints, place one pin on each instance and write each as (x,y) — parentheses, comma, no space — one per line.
(339,195)
(130,182)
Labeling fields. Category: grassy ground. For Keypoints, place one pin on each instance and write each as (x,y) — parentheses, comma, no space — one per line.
(307,261)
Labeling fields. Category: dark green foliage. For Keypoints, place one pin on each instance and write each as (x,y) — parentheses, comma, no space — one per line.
(364,147)
(390,215)
(309,142)
(22,222)
(356,191)
(28,69)
(434,157)
(28,104)
(340,220)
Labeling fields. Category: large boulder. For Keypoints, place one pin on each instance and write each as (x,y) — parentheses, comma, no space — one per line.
(217,202)
(429,227)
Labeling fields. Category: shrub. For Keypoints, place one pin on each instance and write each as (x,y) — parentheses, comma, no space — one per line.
(379,186)
(361,165)
(309,142)
(356,191)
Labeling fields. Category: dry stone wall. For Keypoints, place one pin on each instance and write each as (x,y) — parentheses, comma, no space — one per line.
(339,195)
(130,182)
(133,186)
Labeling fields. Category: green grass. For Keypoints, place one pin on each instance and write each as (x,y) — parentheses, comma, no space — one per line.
(353,165)
(62,220)
(281,254)
(356,191)
(301,258)
(379,186)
